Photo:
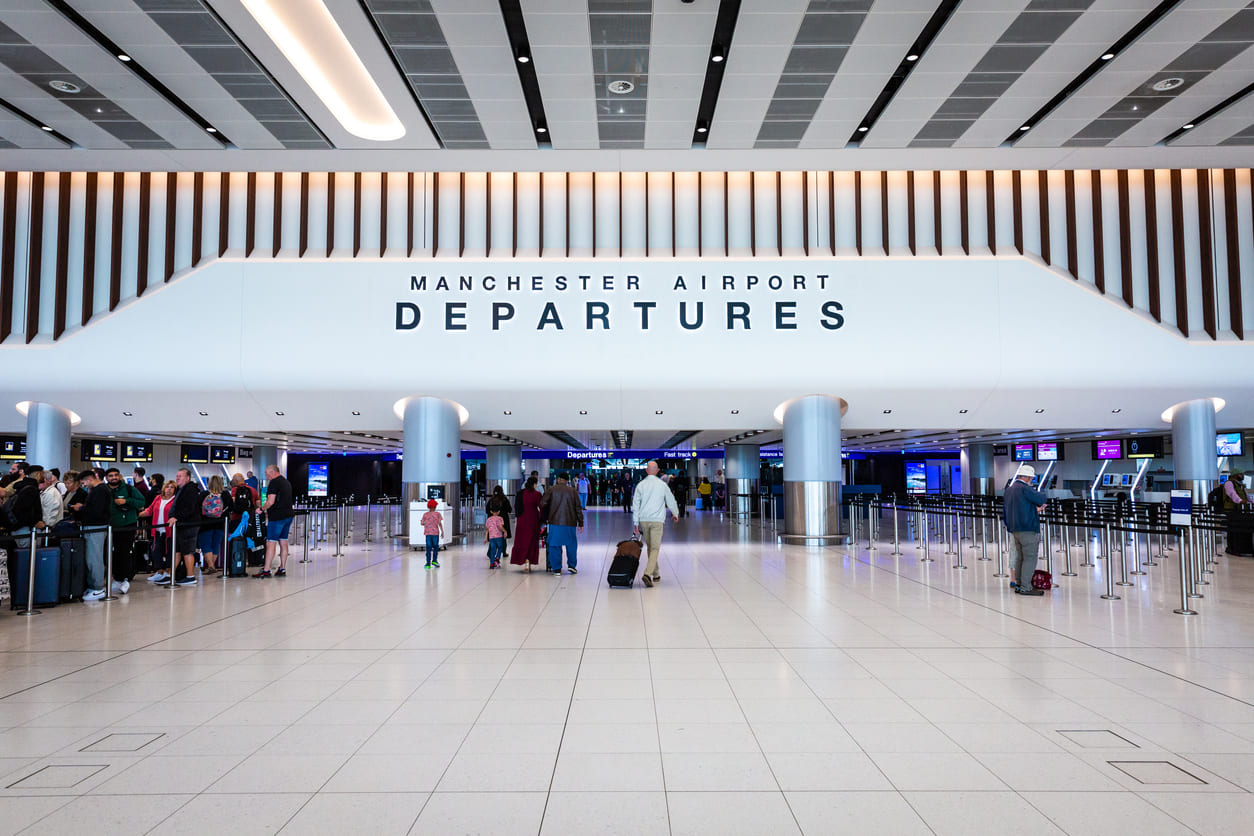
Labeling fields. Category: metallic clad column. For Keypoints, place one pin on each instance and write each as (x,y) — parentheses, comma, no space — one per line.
(264,455)
(1193,446)
(977,469)
(432,452)
(742,473)
(48,435)
(812,469)
(504,468)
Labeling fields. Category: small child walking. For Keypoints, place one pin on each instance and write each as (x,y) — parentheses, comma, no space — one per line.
(433,527)
(495,538)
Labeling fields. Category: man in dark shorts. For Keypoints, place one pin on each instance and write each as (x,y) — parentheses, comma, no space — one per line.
(185,515)
(278,510)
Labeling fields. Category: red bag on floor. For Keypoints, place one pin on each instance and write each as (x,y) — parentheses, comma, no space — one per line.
(1042,580)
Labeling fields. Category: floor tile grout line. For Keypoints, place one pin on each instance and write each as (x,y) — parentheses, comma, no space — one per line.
(1021,620)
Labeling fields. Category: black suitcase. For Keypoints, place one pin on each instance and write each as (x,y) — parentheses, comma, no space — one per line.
(625,565)
(237,558)
(73,579)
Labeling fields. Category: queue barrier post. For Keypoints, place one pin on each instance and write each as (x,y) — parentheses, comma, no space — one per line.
(958,548)
(1001,550)
(1136,553)
(108,587)
(171,549)
(896,530)
(1186,591)
(1194,561)
(1066,534)
(30,580)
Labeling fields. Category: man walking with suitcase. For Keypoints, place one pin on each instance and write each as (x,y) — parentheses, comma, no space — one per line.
(649,505)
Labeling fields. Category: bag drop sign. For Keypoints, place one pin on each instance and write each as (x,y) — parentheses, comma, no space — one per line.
(620,302)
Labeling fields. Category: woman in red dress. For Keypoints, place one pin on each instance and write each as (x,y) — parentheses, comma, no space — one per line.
(526,550)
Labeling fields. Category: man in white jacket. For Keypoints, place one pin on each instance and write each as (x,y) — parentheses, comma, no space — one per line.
(649,505)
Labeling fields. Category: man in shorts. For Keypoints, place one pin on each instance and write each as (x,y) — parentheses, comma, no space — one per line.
(278,511)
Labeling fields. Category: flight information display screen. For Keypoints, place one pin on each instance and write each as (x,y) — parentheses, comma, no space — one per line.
(1024,452)
(222,455)
(1047,452)
(136,452)
(12,449)
(99,451)
(195,454)
(1109,448)
(1228,444)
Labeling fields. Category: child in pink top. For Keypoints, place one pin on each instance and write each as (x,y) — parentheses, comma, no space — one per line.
(433,527)
(495,538)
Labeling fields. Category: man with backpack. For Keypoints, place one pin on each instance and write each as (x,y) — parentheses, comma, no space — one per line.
(24,510)
(185,517)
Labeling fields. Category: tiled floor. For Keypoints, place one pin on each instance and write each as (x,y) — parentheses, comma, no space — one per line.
(758,689)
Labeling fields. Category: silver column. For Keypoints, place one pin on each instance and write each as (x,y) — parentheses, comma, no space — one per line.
(432,445)
(264,455)
(48,435)
(812,469)
(504,468)
(743,472)
(1193,447)
(977,469)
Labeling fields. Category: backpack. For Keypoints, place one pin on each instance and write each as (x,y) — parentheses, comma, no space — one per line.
(1215,499)
(241,500)
(211,506)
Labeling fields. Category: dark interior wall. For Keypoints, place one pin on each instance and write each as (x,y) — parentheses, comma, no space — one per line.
(361,476)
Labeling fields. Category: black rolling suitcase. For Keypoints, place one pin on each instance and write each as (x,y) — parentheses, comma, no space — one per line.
(237,558)
(73,579)
(625,565)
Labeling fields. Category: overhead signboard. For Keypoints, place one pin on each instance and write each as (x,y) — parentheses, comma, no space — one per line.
(98,451)
(221,455)
(1106,449)
(133,451)
(194,454)
(12,449)
(1149,447)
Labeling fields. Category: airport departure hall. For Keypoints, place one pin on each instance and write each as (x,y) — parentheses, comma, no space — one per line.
(626,416)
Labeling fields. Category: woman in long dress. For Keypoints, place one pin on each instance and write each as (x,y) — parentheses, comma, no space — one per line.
(526,551)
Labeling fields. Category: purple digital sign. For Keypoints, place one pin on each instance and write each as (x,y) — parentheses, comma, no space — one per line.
(1109,449)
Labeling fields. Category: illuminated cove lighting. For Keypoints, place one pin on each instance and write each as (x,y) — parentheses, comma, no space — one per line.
(307,34)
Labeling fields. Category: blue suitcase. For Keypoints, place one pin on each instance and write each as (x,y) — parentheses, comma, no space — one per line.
(47,577)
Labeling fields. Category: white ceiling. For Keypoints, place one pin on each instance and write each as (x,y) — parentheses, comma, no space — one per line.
(669,43)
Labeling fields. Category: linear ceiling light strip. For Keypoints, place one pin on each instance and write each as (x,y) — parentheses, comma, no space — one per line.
(715,68)
(105,43)
(1156,14)
(31,120)
(911,59)
(1224,105)
(309,37)
(524,63)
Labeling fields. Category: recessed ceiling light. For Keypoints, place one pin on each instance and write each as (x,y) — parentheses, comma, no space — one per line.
(912,57)
(309,37)
(203,414)
(717,55)
(64,86)
(657,412)
(962,412)
(735,412)
(355,412)
(1108,56)
(1116,410)
(212,130)
(1025,127)
(1039,411)
(507,412)
(620,87)
(128,414)
(1188,127)
(583,412)
(46,128)
(702,127)
(524,58)
(888,412)
(277,412)
(122,56)
(863,129)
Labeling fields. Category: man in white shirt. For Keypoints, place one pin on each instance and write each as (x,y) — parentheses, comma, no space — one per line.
(50,500)
(649,505)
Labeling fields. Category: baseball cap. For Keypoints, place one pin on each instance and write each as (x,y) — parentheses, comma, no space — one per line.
(432,504)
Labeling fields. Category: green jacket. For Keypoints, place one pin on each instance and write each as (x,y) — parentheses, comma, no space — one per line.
(127,514)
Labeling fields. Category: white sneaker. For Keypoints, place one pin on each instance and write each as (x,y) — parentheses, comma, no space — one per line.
(160,577)
(93,595)
(122,587)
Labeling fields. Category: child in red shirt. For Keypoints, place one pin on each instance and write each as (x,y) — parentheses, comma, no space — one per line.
(433,527)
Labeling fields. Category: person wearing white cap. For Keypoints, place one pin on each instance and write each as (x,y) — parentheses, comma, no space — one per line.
(1022,502)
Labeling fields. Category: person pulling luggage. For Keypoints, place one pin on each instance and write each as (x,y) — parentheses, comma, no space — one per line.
(649,504)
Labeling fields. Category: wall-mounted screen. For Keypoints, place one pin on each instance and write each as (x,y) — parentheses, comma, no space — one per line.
(1106,477)
(1047,452)
(136,452)
(1001,450)
(12,449)
(319,478)
(1228,444)
(1125,480)
(1024,452)
(244,452)
(221,455)
(916,477)
(195,454)
(98,451)
(1150,447)
(1105,449)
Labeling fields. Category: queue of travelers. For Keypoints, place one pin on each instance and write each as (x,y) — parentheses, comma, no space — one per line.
(164,527)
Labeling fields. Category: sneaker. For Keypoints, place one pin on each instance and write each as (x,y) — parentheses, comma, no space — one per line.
(93,594)
(280,573)
(121,587)
(190,580)
(428,564)
(263,574)
(573,570)
(648,581)
(1014,584)
(160,577)
(657,578)
(1034,592)
(436,564)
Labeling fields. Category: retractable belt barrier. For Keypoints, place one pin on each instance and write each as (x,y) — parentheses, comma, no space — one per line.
(1104,528)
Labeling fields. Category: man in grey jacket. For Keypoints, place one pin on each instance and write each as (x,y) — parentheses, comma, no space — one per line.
(649,505)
